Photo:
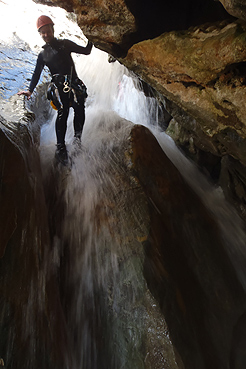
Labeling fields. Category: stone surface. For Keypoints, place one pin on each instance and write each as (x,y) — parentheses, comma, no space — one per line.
(31,315)
(201,73)
(97,18)
(146,224)
(116,26)
(112,317)
(187,265)
(199,70)
(237,8)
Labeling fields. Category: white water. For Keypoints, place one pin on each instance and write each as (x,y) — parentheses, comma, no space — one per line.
(96,193)
(96,179)
(93,180)
(114,89)
(93,188)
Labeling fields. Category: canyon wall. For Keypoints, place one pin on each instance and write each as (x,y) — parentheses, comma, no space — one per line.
(192,54)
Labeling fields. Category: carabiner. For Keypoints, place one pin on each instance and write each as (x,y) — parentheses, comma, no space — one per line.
(66,87)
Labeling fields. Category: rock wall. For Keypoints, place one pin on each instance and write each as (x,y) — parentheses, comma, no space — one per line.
(189,275)
(237,8)
(147,219)
(200,73)
(32,325)
(116,26)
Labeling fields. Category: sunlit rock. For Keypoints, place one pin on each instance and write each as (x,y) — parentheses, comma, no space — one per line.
(106,23)
(116,26)
(200,71)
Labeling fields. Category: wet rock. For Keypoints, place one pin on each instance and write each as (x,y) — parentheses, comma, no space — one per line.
(31,318)
(187,264)
(233,181)
(201,73)
(145,224)
(190,69)
(112,317)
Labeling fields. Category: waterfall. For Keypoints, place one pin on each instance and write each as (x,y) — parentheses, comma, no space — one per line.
(98,228)
(115,94)
(115,293)
(105,273)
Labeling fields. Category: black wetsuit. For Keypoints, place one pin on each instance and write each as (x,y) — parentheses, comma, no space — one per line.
(56,55)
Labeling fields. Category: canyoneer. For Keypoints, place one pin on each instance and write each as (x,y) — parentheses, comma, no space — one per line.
(66,89)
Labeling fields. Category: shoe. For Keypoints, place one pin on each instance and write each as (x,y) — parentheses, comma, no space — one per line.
(61,154)
(78,135)
(77,142)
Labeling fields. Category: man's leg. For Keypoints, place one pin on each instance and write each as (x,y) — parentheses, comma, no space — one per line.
(79,116)
(61,120)
(61,127)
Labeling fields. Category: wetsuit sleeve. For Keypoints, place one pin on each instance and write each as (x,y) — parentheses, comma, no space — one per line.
(37,72)
(72,47)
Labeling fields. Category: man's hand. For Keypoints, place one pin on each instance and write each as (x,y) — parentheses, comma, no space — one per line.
(26,93)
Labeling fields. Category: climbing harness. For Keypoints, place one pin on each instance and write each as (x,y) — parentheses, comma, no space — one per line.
(74,87)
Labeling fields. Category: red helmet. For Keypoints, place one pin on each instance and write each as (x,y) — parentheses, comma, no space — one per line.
(43,20)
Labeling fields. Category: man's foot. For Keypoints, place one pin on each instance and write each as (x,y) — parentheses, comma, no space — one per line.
(77,141)
(77,135)
(61,154)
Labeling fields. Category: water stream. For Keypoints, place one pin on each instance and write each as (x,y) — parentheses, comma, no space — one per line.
(103,226)
(106,276)
(110,312)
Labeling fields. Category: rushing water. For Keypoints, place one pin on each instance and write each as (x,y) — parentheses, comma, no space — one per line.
(101,225)
(109,309)
(100,216)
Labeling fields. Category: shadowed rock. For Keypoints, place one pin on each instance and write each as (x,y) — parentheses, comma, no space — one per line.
(187,265)
(32,324)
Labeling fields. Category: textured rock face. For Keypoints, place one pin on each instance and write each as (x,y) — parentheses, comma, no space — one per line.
(106,23)
(30,303)
(111,19)
(202,71)
(188,274)
(116,26)
(147,219)
(237,8)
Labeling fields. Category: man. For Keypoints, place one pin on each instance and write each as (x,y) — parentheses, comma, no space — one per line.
(56,55)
